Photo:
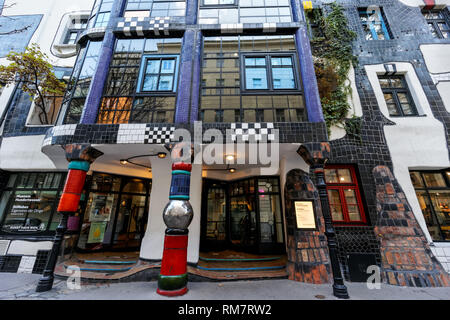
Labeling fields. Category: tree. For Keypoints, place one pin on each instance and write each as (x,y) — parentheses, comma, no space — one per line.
(34,75)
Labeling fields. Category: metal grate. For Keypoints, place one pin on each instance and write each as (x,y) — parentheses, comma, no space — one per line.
(41,261)
(11,263)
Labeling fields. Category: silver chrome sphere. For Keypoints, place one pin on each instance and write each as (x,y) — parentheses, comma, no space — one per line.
(178,214)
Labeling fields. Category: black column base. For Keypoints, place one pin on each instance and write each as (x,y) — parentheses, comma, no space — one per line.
(45,284)
(340,291)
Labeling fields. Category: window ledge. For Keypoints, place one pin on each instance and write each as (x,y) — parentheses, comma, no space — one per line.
(65,50)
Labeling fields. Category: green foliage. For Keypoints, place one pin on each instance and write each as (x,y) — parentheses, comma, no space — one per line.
(333,58)
(35,76)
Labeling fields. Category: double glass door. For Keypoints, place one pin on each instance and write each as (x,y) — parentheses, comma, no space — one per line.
(242,216)
(116,213)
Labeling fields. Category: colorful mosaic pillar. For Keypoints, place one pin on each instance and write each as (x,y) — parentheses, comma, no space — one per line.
(177,215)
(80,157)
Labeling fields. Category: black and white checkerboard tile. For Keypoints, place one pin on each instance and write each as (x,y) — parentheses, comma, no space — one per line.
(253,132)
(144,133)
(159,134)
(141,26)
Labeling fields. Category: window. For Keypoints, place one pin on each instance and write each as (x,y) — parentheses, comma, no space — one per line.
(343,195)
(159,74)
(438,23)
(101,13)
(433,193)
(142,82)
(374,24)
(397,96)
(248,83)
(28,203)
(76,27)
(244,11)
(155,8)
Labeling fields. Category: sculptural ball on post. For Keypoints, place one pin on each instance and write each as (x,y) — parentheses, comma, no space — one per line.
(177,216)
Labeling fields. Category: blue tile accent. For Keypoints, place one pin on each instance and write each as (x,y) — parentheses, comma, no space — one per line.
(17,41)
(191,11)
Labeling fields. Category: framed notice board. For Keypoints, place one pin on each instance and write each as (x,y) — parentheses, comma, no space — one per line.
(305,215)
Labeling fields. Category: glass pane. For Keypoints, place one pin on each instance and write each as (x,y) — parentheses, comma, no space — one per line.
(384,83)
(270,219)
(441,202)
(150,83)
(344,176)
(283,78)
(168,66)
(397,82)
(331,176)
(153,66)
(416,179)
(256,78)
(429,216)
(352,205)
(105,183)
(434,180)
(165,83)
(243,221)
(130,223)
(135,186)
(335,205)
(408,109)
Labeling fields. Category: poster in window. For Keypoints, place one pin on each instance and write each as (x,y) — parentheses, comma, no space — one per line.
(97,232)
(304,213)
(101,207)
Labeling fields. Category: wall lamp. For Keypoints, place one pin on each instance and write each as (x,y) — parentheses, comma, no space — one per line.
(160,155)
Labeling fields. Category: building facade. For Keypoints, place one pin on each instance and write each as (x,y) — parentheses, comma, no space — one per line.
(238,76)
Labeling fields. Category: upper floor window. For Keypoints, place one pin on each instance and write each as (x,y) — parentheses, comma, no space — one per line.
(244,11)
(241,83)
(397,96)
(374,24)
(155,8)
(77,26)
(438,23)
(101,13)
(159,74)
(343,195)
(269,72)
(433,193)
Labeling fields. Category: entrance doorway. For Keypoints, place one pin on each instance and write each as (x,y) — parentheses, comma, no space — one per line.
(242,215)
(116,213)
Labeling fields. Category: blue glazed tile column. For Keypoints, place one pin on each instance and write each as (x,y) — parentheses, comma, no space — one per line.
(93,100)
(310,89)
(189,83)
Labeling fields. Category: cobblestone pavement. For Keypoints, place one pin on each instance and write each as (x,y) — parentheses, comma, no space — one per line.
(22,286)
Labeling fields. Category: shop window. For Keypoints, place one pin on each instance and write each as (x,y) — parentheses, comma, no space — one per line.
(374,24)
(344,196)
(142,82)
(438,23)
(397,96)
(433,193)
(239,80)
(28,203)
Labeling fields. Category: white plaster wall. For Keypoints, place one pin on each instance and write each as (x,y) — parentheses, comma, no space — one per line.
(24,154)
(437,57)
(414,142)
(421,3)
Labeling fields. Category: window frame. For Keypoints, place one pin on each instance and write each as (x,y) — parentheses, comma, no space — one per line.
(341,187)
(235,4)
(382,21)
(394,92)
(426,189)
(270,85)
(142,73)
(434,22)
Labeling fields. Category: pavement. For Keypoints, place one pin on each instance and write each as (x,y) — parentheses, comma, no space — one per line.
(14,286)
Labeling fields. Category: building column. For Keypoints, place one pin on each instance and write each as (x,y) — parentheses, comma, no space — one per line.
(80,157)
(308,74)
(94,97)
(189,84)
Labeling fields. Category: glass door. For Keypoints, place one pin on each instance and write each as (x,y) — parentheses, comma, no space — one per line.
(214,216)
(243,230)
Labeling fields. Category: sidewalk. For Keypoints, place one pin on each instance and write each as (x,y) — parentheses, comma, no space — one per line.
(22,286)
